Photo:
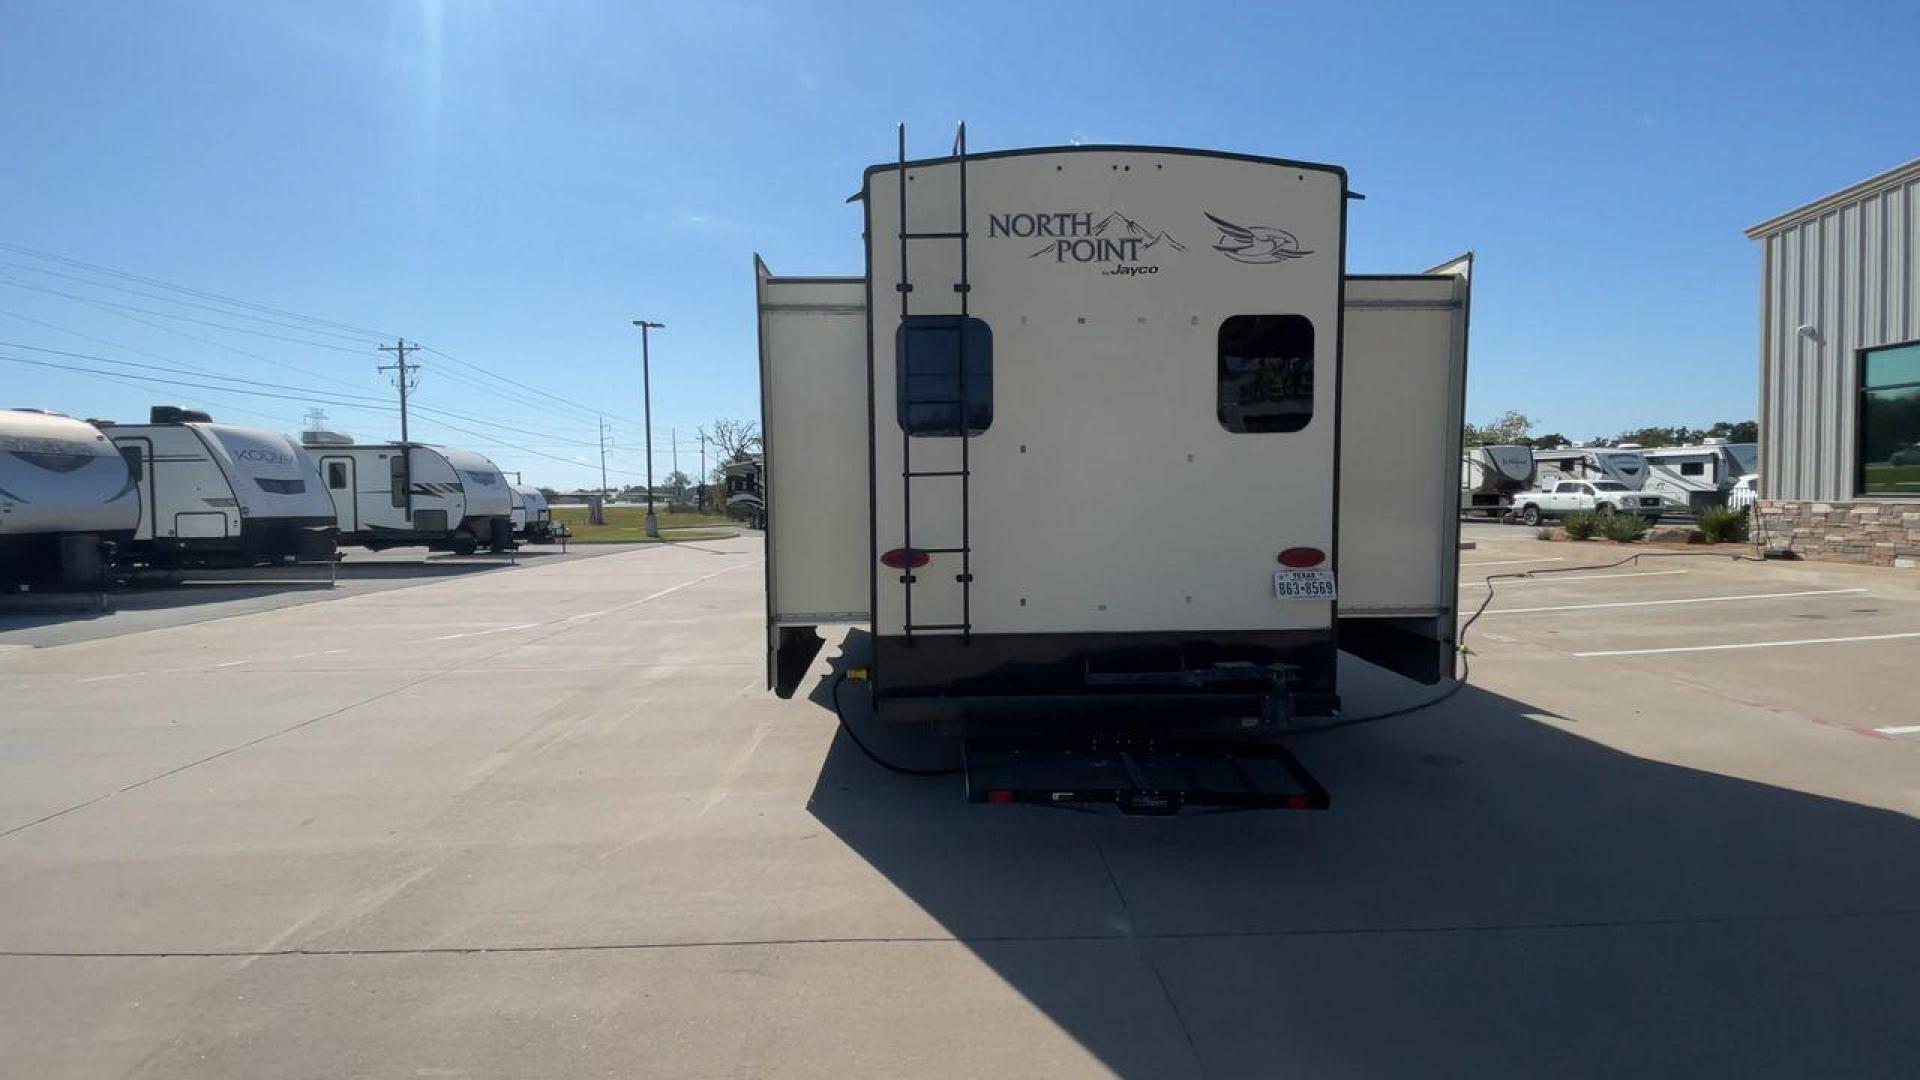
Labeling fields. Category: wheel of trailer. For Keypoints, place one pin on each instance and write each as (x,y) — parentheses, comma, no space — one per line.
(1530,514)
(465,547)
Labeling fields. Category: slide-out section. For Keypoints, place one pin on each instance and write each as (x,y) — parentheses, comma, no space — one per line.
(1403,399)
(813,404)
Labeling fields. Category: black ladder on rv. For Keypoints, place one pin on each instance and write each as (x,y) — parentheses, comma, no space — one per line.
(961,394)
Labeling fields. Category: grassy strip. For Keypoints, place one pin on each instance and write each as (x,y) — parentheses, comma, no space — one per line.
(627,525)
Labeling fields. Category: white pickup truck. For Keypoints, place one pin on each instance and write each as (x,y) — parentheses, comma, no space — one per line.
(1566,496)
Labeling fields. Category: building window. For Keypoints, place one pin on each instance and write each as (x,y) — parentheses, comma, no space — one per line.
(1693,468)
(931,353)
(1890,421)
(1265,373)
(337,475)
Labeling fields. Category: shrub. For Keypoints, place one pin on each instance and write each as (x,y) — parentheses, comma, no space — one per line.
(1544,532)
(1723,525)
(1581,525)
(1625,528)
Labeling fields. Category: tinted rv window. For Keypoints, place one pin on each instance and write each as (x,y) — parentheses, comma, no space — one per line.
(1693,468)
(337,475)
(398,478)
(929,350)
(1266,373)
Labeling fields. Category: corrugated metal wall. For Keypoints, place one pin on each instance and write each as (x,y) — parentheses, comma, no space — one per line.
(1851,271)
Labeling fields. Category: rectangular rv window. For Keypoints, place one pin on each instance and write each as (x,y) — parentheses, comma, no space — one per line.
(398,478)
(136,462)
(1693,468)
(1890,421)
(934,356)
(1266,373)
(337,475)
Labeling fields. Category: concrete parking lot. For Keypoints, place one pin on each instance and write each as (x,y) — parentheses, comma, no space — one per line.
(545,821)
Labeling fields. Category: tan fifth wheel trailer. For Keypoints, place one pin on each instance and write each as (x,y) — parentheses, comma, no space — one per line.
(1107,444)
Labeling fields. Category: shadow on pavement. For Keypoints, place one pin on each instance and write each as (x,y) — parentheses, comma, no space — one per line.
(1489,895)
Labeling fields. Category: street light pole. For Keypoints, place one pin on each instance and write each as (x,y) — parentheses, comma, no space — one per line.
(646,390)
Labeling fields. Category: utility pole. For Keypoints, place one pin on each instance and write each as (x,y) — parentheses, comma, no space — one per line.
(646,390)
(673,440)
(603,456)
(703,468)
(401,379)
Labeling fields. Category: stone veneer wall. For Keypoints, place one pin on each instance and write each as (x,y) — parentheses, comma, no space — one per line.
(1853,531)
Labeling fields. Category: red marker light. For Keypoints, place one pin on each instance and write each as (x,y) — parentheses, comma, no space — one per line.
(904,558)
(1300,558)
(999,797)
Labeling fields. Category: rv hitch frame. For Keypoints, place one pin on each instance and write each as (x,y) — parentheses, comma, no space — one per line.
(1140,777)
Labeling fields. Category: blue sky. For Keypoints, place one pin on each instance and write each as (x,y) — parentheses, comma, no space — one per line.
(513,182)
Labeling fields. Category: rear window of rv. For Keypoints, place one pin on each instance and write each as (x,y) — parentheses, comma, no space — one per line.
(1266,373)
(928,370)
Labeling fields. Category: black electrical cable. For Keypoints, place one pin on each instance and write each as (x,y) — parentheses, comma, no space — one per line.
(841,714)
(1466,668)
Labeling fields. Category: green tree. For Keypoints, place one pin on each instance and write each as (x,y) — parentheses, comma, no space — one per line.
(1510,429)
(1549,441)
(1742,431)
(677,485)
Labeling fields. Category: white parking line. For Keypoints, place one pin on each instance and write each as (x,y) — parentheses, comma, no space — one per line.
(1553,578)
(1511,562)
(1752,645)
(233,663)
(482,633)
(1661,603)
(1904,729)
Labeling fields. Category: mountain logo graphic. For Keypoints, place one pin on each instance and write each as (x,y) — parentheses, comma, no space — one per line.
(1255,243)
(1117,226)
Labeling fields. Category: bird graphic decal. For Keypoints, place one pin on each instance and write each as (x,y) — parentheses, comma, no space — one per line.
(1255,243)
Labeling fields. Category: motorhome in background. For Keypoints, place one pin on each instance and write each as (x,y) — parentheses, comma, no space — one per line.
(68,502)
(1691,478)
(745,492)
(388,495)
(1490,475)
(1622,464)
(214,494)
(532,517)
(1050,332)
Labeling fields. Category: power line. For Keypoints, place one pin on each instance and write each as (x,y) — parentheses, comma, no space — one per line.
(97,302)
(375,335)
(188,303)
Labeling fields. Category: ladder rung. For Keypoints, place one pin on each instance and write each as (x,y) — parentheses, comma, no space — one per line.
(942,551)
(942,472)
(933,236)
(936,626)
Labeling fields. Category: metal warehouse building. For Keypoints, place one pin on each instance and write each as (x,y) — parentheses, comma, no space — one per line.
(1840,373)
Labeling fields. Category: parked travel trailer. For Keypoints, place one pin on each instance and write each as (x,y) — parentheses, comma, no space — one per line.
(68,503)
(215,494)
(1690,478)
(1623,464)
(1490,475)
(532,518)
(955,443)
(388,495)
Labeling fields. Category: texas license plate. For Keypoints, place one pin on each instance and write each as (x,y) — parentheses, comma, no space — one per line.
(1303,584)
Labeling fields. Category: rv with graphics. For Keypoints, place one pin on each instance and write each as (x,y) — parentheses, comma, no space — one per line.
(1620,464)
(1491,475)
(68,503)
(1690,478)
(404,495)
(532,518)
(222,495)
(955,442)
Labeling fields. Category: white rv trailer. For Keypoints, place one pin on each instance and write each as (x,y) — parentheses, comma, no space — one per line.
(955,442)
(222,495)
(532,518)
(393,495)
(1692,477)
(1624,464)
(746,490)
(68,503)
(1490,475)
